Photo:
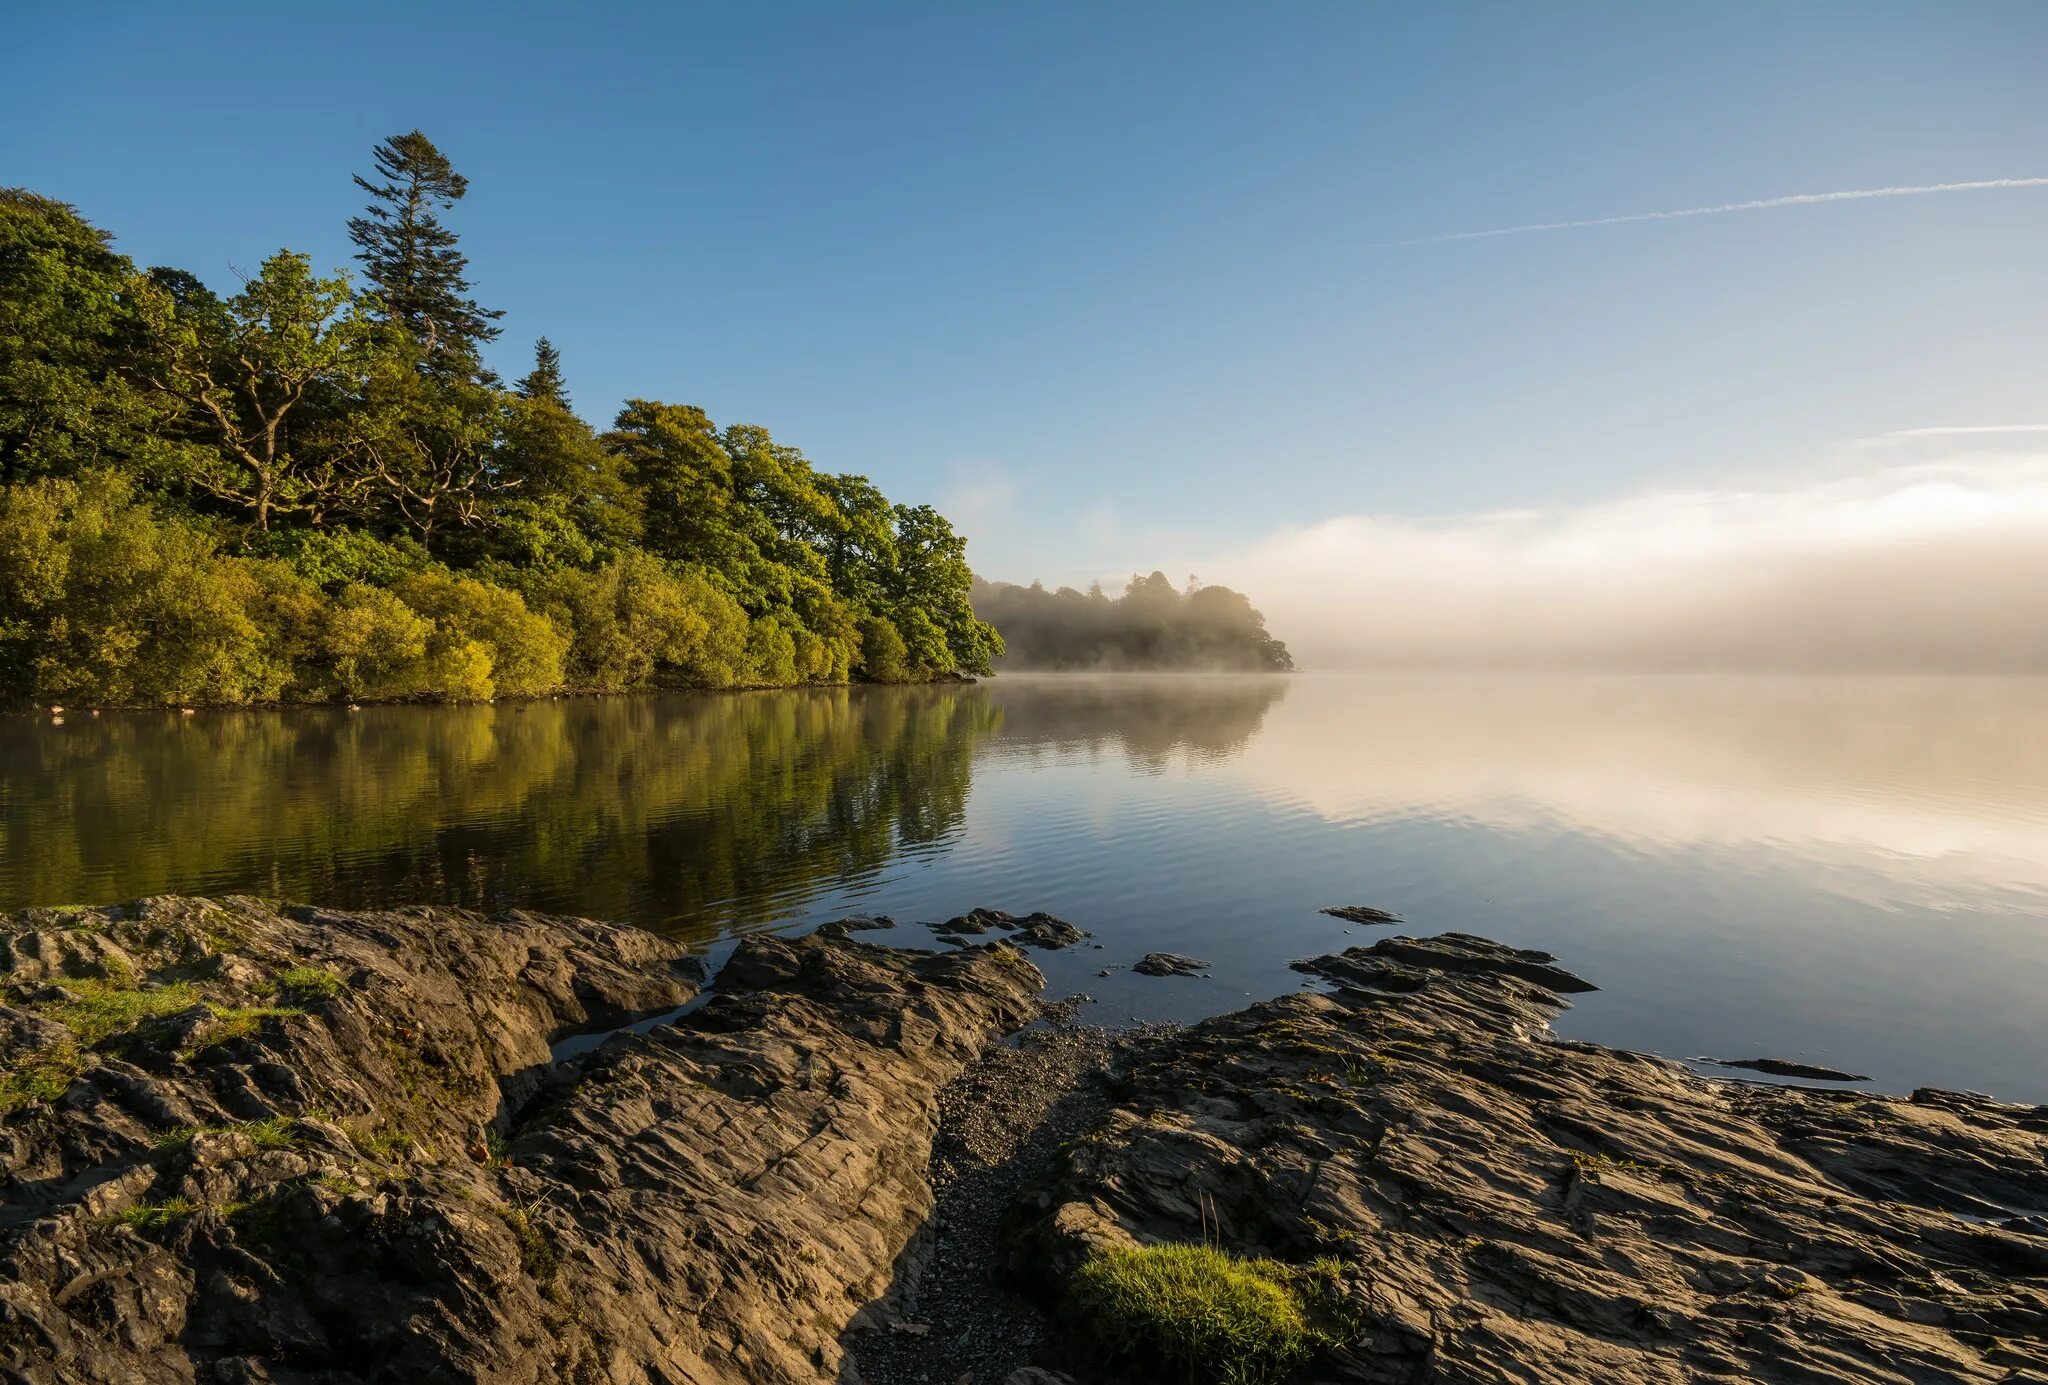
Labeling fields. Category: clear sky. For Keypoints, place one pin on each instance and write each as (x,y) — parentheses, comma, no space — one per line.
(1112,283)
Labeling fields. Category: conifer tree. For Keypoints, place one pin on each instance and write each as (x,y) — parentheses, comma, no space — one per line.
(410,258)
(544,381)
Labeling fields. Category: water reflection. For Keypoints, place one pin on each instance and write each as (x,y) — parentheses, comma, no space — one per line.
(687,811)
(1852,872)
(1152,722)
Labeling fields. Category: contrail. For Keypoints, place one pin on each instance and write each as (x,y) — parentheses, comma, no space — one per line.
(1802,199)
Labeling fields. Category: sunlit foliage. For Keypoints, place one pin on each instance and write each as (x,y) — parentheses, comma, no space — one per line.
(311,488)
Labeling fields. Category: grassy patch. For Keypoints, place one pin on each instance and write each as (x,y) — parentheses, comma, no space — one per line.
(103,1008)
(43,1074)
(306,986)
(1207,1314)
(231,1022)
(386,1143)
(274,1132)
(154,1216)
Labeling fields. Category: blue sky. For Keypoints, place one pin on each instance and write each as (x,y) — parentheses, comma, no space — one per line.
(1110,281)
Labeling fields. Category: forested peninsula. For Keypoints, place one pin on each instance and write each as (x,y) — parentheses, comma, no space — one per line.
(311,487)
(1152,626)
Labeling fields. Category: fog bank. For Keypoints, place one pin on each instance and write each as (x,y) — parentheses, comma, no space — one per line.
(1926,566)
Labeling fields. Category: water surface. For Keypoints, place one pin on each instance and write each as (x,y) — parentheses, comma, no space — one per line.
(1848,871)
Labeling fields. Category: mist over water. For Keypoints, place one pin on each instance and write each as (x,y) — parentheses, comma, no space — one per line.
(1883,565)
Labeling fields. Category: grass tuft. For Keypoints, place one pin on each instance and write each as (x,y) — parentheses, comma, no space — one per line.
(536,1252)
(42,1074)
(232,1022)
(306,986)
(1209,1315)
(101,1009)
(154,1216)
(273,1132)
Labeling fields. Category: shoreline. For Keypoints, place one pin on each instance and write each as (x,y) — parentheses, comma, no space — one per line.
(280,1143)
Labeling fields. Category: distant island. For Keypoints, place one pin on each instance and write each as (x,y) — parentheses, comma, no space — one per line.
(1152,626)
(311,488)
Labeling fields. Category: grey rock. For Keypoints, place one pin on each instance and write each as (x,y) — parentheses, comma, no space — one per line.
(1780,1067)
(1506,1207)
(1361,913)
(1168,964)
(428,1196)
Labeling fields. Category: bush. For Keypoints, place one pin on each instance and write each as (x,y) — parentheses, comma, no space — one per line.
(333,558)
(883,656)
(771,651)
(1208,1314)
(376,642)
(108,601)
(637,621)
(521,650)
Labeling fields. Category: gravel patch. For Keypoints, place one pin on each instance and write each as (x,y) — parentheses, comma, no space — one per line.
(956,1320)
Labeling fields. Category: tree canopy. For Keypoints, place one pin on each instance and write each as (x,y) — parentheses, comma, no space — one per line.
(310,487)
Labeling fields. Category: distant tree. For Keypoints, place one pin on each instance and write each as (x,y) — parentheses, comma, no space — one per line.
(544,382)
(419,276)
(1151,626)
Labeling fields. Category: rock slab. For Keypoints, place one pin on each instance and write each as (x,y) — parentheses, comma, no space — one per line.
(1510,1208)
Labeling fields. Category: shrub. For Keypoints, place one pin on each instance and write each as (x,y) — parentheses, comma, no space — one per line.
(332,558)
(883,655)
(637,621)
(771,651)
(108,601)
(522,649)
(376,642)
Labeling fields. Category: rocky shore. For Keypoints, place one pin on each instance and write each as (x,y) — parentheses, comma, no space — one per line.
(245,1142)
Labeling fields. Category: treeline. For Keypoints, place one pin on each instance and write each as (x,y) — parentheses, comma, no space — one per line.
(1152,625)
(311,487)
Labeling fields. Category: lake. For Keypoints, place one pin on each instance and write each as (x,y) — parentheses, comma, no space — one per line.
(1852,872)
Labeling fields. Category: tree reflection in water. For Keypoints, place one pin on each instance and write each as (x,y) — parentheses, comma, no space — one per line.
(693,814)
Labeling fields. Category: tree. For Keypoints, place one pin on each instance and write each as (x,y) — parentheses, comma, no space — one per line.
(544,382)
(428,448)
(689,493)
(410,258)
(68,398)
(243,371)
(932,587)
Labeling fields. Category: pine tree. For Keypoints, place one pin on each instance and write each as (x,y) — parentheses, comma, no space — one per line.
(545,381)
(410,258)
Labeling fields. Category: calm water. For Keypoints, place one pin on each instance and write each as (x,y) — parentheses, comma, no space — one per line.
(1852,872)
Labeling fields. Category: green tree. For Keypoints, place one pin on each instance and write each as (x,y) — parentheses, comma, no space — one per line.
(544,382)
(691,506)
(420,277)
(427,446)
(68,397)
(931,587)
(243,372)
(570,501)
